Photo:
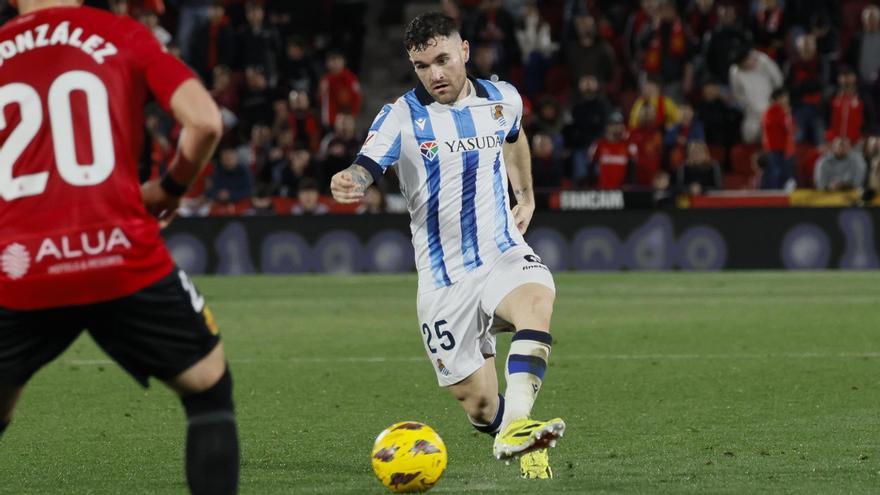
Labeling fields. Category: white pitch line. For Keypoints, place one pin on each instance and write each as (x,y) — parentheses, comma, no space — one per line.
(587,357)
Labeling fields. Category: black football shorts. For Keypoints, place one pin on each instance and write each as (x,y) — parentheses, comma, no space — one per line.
(159,331)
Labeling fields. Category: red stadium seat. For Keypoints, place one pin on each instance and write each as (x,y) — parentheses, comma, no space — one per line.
(805,158)
(719,154)
(742,158)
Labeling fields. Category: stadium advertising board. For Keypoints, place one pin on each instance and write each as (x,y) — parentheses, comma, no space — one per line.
(789,238)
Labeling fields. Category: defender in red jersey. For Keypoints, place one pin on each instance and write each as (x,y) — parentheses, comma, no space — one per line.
(79,237)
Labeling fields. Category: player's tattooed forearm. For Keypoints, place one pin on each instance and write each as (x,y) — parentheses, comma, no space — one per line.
(361,177)
(523,194)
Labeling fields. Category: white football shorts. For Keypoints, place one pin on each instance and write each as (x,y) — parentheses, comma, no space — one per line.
(458,322)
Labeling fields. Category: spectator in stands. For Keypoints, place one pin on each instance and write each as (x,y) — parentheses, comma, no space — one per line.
(257,153)
(589,118)
(340,90)
(223,90)
(344,132)
(638,22)
(648,139)
(297,166)
(687,129)
(588,54)
(261,203)
(840,168)
(303,122)
(255,106)
(752,79)
(374,202)
(701,19)
(726,41)
(768,27)
(232,180)
(548,120)
(536,47)
(872,160)
(864,48)
(214,43)
(483,64)
(193,15)
(806,80)
(299,70)
(847,108)
(149,19)
(778,142)
(259,43)
(309,199)
(336,159)
(662,108)
(699,173)
(613,157)
(546,164)
(664,54)
(496,26)
(721,120)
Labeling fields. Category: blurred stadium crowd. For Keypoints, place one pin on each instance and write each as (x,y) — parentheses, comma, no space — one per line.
(675,96)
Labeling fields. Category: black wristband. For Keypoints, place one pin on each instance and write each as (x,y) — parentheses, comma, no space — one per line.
(172,187)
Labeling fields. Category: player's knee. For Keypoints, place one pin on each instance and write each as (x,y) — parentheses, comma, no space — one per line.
(202,375)
(538,310)
(481,408)
(8,398)
(215,399)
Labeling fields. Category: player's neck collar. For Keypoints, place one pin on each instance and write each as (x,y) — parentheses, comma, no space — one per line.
(426,99)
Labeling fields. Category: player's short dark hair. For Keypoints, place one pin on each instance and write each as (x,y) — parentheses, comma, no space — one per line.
(425,27)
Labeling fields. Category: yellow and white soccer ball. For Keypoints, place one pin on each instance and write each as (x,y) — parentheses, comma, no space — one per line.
(409,457)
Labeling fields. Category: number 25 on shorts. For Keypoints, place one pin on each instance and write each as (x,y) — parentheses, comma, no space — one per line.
(444,337)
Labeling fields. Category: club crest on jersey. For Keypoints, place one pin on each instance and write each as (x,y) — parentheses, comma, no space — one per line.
(498,114)
(15,261)
(429,149)
(442,368)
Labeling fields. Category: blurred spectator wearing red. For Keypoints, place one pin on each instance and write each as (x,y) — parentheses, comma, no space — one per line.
(303,122)
(613,156)
(648,139)
(664,51)
(340,90)
(847,108)
(778,142)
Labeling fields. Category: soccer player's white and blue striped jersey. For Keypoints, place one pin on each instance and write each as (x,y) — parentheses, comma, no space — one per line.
(451,169)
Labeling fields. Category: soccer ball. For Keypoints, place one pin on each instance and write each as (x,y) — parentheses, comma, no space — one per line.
(409,457)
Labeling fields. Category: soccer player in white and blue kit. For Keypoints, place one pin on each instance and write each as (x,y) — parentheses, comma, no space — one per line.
(455,141)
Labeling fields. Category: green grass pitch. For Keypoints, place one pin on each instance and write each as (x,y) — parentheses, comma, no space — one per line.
(670,383)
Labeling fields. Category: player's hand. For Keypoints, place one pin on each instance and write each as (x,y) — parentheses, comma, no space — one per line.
(345,190)
(522,215)
(159,203)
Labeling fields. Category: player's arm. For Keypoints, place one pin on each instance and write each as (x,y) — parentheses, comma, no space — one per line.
(518,160)
(199,116)
(349,185)
(381,149)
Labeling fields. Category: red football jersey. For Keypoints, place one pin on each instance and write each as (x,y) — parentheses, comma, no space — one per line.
(73,228)
(612,159)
